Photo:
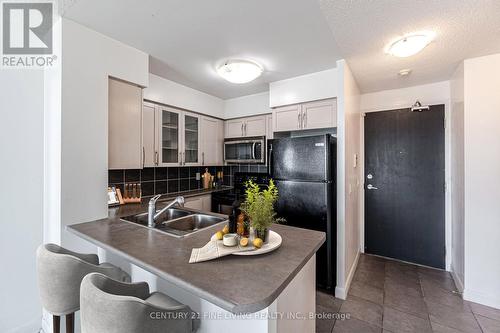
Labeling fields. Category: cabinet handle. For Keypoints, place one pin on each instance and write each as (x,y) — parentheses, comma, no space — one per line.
(180,158)
(245,129)
(242,130)
(183,158)
(156,158)
(143,156)
(298,119)
(202,158)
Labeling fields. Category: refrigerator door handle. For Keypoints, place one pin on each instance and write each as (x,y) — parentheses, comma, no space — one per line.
(269,160)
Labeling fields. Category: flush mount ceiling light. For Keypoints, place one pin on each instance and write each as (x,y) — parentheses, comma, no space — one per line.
(410,44)
(240,71)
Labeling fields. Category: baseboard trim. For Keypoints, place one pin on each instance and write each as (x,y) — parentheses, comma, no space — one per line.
(482,298)
(458,281)
(341,292)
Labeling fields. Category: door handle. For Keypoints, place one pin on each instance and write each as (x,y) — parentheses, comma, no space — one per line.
(371,187)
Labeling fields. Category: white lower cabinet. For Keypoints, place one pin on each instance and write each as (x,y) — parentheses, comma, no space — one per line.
(202,202)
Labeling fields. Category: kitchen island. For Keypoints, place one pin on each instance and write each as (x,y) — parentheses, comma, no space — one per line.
(273,292)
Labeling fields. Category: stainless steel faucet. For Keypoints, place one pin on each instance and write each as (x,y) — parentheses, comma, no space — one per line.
(153,215)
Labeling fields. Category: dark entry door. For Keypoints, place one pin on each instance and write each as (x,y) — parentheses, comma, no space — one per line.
(405,185)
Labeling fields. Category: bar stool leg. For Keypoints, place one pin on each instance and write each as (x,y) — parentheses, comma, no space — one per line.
(70,323)
(56,324)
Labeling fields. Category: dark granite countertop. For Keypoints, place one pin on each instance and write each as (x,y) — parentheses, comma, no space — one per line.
(234,283)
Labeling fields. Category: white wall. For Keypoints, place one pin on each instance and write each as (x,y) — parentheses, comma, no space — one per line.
(88,59)
(76,123)
(482,184)
(21,197)
(247,106)
(433,93)
(427,94)
(305,88)
(457,176)
(171,93)
(348,173)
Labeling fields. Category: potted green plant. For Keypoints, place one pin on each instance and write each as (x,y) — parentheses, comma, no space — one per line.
(259,208)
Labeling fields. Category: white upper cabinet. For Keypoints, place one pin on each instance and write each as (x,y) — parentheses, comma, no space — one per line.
(312,115)
(173,137)
(287,118)
(212,133)
(125,149)
(255,126)
(191,153)
(169,136)
(149,135)
(246,127)
(269,128)
(234,128)
(320,114)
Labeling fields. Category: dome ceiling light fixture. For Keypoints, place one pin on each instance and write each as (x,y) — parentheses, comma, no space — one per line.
(240,71)
(410,44)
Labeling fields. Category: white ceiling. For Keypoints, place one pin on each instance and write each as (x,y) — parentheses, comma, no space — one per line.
(187,39)
(362,29)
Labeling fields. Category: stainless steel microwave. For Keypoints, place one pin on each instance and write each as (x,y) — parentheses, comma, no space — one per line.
(245,150)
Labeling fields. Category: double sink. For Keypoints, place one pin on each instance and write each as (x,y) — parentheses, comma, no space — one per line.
(178,222)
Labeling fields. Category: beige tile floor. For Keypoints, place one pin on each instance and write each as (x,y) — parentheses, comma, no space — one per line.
(391,297)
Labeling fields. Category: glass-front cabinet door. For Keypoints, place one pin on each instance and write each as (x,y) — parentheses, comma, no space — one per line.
(170,136)
(191,139)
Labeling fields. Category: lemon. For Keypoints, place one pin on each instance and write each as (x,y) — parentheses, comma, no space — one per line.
(257,242)
(225,230)
(219,235)
(244,241)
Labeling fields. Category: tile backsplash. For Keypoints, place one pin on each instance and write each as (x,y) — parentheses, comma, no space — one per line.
(163,180)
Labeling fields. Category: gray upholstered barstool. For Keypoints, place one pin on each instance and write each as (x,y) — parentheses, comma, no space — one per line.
(60,272)
(110,306)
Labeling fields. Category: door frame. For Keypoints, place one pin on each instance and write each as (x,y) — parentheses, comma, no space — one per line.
(447,162)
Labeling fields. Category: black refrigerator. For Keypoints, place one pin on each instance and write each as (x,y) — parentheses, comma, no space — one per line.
(304,169)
